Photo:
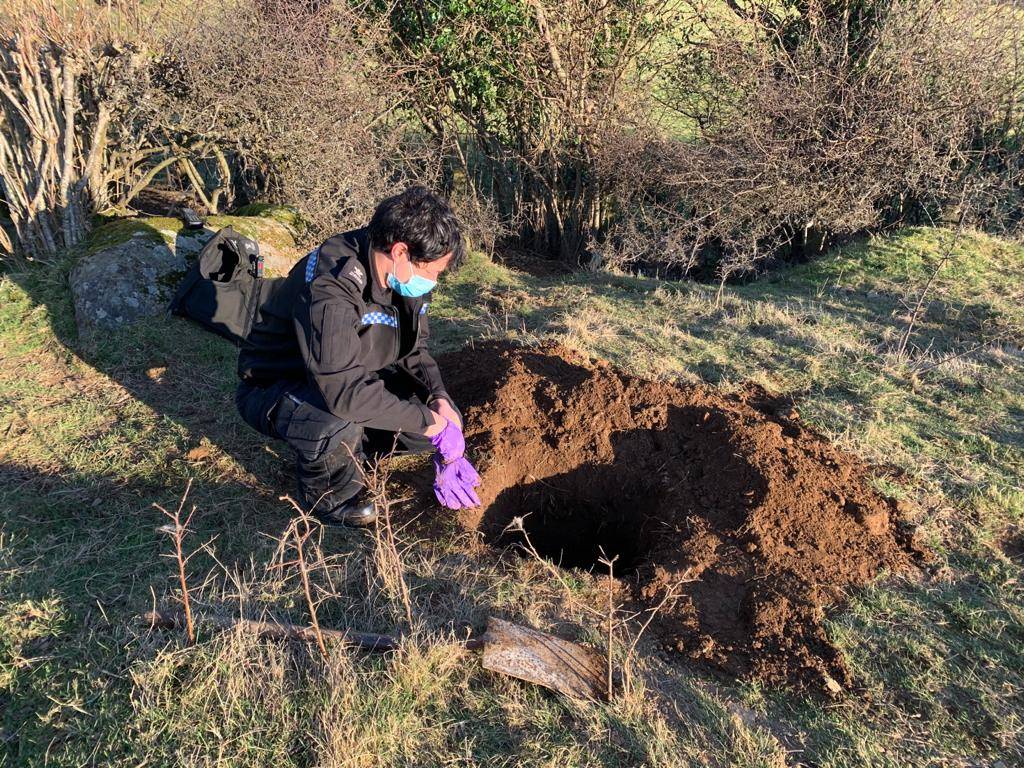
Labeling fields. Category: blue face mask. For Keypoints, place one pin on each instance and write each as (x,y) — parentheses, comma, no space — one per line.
(417,285)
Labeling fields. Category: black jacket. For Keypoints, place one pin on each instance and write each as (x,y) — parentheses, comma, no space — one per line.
(328,323)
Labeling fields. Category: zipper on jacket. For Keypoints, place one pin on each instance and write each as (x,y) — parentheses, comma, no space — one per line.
(417,319)
(393,311)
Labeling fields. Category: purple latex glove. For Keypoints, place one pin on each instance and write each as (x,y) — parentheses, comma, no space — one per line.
(449,442)
(454,483)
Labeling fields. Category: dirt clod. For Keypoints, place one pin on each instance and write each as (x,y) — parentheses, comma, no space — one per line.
(750,523)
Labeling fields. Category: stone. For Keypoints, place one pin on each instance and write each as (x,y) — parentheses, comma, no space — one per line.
(132,267)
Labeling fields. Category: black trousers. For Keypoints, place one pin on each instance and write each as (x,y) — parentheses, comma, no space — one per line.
(329,452)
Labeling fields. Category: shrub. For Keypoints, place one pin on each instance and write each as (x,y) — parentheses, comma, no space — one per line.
(675,133)
(811,121)
(299,99)
(525,96)
(240,100)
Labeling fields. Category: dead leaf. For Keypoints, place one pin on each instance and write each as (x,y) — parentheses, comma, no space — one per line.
(832,685)
(199,453)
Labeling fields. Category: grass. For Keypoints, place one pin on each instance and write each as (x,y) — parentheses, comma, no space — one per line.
(92,434)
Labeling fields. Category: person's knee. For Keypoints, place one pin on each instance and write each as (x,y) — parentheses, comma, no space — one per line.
(314,433)
(253,404)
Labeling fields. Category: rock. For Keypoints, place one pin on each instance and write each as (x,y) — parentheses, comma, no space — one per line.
(133,266)
(118,285)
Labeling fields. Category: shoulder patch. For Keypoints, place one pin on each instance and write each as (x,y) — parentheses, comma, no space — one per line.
(311,261)
(354,271)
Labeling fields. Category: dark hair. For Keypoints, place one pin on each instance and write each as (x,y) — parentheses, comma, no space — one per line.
(420,219)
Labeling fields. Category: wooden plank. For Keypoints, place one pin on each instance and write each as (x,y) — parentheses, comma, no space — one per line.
(537,657)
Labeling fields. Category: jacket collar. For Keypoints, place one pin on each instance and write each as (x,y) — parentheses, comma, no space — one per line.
(372,292)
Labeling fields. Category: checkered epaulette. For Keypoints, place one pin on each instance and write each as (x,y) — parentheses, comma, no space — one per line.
(379,318)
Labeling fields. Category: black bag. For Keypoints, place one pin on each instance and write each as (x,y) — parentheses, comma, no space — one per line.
(222,289)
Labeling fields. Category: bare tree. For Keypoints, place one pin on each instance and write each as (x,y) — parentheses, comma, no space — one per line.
(65,80)
(526,97)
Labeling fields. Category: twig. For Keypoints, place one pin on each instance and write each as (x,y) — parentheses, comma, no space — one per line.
(669,594)
(177,533)
(611,612)
(198,187)
(516,526)
(916,313)
(389,558)
(631,653)
(304,573)
(300,562)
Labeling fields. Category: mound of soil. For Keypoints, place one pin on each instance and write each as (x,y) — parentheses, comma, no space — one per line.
(723,510)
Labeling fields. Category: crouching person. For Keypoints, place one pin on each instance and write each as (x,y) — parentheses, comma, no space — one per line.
(336,364)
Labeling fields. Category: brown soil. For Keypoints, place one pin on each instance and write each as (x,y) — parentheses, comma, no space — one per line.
(728,502)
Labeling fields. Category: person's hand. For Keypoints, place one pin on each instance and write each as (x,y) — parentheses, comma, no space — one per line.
(450,443)
(454,483)
(454,478)
(446,409)
(438,425)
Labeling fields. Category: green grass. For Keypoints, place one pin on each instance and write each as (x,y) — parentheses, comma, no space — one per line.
(93,434)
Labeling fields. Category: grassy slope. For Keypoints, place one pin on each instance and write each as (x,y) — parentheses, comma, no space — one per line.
(92,436)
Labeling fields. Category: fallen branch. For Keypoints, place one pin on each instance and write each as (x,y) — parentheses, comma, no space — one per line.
(367,641)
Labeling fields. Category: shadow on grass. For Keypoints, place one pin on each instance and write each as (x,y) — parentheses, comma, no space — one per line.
(183,373)
(84,683)
(81,552)
(82,556)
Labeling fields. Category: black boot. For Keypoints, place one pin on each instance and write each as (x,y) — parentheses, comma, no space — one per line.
(356,512)
(328,453)
(329,490)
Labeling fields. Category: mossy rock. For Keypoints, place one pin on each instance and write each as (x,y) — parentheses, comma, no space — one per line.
(279,213)
(130,268)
